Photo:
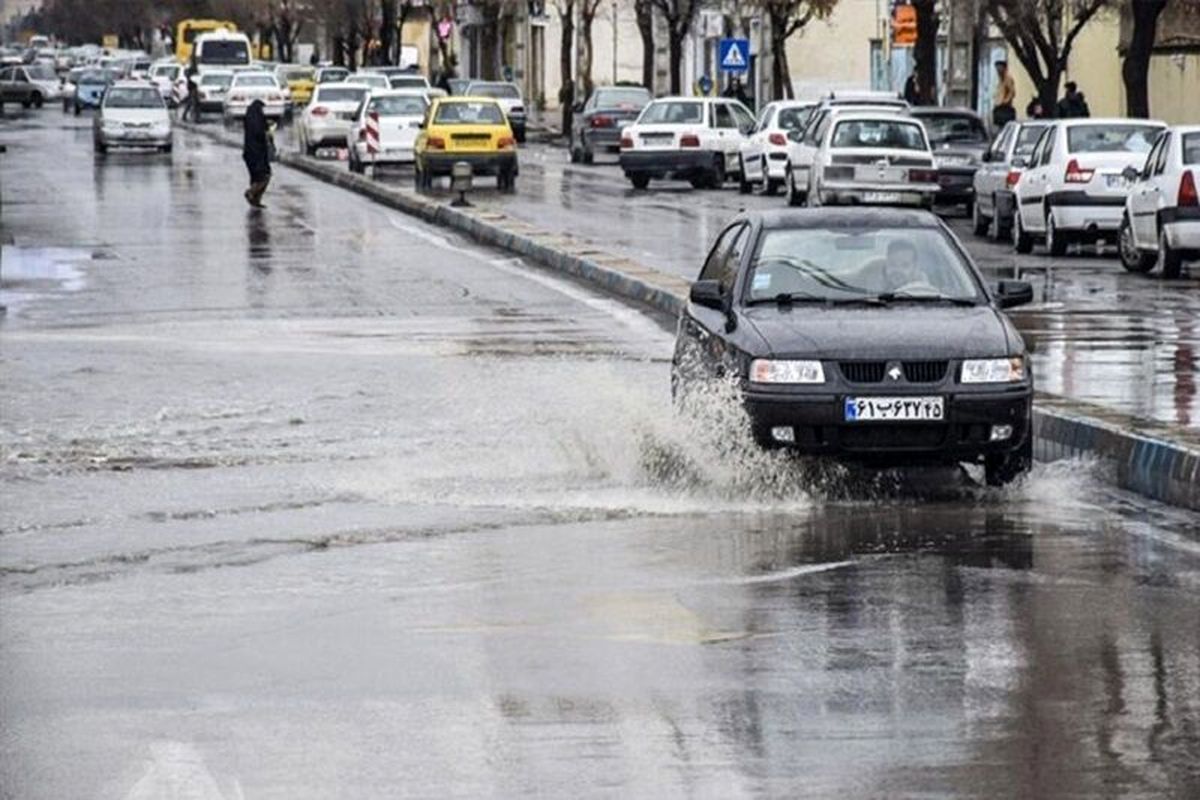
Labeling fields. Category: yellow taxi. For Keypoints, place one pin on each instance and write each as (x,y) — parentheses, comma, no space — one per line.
(299,80)
(470,129)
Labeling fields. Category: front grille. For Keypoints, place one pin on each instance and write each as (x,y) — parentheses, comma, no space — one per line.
(862,371)
(892,437)
(925,371)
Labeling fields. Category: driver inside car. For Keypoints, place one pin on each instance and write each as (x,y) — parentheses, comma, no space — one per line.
(901,269)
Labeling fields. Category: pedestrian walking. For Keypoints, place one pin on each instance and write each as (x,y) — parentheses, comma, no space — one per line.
(1004,112)
(1073,104)
(912,95)
(737,91)
(193,94)
(256,152)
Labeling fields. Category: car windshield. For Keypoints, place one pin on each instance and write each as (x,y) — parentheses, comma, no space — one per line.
(132,97)
(505,90)
(215,80)
(673,112)
(341,94)
(333,75)
(943,128)
(408,82)
(40,72)
(891,133)
(1191,148)
(469,114)
(93,76)
(622,98)
(254,80)
(219,52)
(1027,139)
(406,106)
(856,264)
(1111,138)
(793,119)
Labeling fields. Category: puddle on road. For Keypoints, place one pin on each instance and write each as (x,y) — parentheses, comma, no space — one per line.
(31,273)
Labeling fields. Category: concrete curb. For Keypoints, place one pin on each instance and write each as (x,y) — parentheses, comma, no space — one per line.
(1157,461)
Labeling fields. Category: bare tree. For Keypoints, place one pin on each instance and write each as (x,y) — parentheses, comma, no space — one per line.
(644,12)
(566,90)
(679,15)
(1041,34)
(787,18)
(925,51)
(587,16)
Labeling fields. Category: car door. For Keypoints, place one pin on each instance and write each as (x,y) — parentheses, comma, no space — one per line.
(991,174)
(755,144)
(725,127)
(1031,190)
(1141,197)
(702,349)
(1160,192)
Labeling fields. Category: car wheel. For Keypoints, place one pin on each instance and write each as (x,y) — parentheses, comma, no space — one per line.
(1170,260)
(716,176)
(1002,470)
(100,147)
(1001,228)
(1056,240)
(26,103)
(37,100)
(166,148)
(588,156)
(794,197)
(639,181)
(980,225)
(1022,241)
(770,186)
(576,154)
(744,186)
(1132,258)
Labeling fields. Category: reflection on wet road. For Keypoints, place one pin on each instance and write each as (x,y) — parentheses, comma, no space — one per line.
(322,502)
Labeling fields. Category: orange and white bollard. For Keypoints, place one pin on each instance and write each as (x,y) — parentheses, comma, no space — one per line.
(372,128)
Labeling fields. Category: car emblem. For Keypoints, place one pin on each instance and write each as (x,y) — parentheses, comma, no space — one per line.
(894,373)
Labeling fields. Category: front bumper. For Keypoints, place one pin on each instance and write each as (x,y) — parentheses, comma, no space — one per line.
(388,155)
(664,163)
(442,163)
(602,139)
(818,423)
(134,138)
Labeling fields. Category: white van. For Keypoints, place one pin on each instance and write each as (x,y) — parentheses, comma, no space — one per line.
(221,49)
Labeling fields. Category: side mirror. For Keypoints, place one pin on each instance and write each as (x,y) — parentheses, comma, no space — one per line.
(1010,294)
(577,108)
(794,136)
(708,294)
(986,158)
(1130,174)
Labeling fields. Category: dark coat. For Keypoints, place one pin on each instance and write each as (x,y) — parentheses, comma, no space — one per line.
(256,151)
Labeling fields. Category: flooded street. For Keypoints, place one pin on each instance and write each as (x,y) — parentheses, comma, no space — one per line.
(322,501)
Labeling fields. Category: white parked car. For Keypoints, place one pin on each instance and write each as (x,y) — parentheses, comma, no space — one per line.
(695,138)
(802,145)
(371,80)
(407,80)
(764,154)
(132,114)
(1161,225)
(1074,187)
(211,87)
(250,86)
(168,77)
(397,116)
(873,158)
(997,176)
(327,118)
(508,95)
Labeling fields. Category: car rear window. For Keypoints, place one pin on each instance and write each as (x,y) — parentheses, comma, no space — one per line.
(673,112)
(506,90)
(407,106)
(944,128)
(408,82)
(469,113)
(1027,139)
(621,98)
(895,134)
(1191,148)
(130,97)
(298,74)
(215,80)
(793,119)
(341,94)
(333,75)
(852,263)
(1111,138)
(254,80)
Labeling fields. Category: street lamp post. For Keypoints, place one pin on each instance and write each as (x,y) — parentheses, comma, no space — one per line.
(614,27)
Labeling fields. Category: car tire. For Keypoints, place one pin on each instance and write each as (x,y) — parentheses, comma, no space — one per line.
(78,110)
(1133,258)
(1001,470)
(744,186)
(1170,261)
(1022,241)
(1056,240)
(716,176)
(37,100)
(1001,231)
(166,149)
(639,181)
(576,154)
(100,147)
(980,224)
(588,156)
(770,186)
(794,196)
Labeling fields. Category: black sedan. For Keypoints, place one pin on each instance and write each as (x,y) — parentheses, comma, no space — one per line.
(867,335)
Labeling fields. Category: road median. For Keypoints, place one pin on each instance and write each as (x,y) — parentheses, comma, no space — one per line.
(1155,460)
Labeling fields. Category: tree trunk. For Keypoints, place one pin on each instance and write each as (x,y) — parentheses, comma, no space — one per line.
(339,50)
(925,52)
(489,43)
(566,92)
(675,49)
(1047,87)
(1136,66)
(401,18)
(645,23)
(585,58)
(387,32)
(781,73)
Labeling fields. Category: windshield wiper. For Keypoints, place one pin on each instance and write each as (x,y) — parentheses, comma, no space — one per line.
(888,297)
(784,298)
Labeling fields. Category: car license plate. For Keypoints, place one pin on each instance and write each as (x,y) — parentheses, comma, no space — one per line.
(881,197)
(894,409)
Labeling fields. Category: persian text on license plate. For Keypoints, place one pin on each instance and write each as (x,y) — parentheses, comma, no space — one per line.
(898,409)
(881,197)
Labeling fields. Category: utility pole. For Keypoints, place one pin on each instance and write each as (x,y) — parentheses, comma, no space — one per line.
(614,27)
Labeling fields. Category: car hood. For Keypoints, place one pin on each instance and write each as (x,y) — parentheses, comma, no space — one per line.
(921,331)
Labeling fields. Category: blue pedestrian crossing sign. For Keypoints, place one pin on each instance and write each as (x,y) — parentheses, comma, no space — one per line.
(733,55)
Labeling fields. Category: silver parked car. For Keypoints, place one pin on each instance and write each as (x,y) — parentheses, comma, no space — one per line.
(132,114)
(992,211)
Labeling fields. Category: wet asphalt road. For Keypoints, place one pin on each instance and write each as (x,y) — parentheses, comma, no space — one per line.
(320,502)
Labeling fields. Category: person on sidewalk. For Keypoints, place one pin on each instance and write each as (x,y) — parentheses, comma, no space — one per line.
(912,95)
(1004,112)
(256,152)
(1073,105)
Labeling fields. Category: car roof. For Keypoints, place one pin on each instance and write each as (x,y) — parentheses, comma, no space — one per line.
(1122,121)
(929,111)
(843,216)
(876,115)
(467,98)
(133,85)
(397,93)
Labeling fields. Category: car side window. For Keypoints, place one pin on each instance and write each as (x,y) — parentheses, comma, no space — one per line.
(764,119)
(1151,159)
(716,257)
(744,119)
(1164,145)
(1047,147)
(1000,146)
(733,258)
(816,130)
(724,117)
(5,75)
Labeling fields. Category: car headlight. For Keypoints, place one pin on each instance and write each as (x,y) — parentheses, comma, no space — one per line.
(993,370)
(765,370)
